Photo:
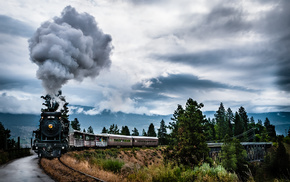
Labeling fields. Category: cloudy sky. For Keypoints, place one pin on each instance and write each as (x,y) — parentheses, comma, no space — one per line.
(163,52)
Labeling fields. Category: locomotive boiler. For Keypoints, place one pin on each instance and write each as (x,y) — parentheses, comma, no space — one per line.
(51,139)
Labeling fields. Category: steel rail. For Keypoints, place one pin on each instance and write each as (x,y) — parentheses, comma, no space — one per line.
(97,179)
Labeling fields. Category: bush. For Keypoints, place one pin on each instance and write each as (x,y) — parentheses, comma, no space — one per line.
(4,157)
(218,173)
(112,165)
(167,173)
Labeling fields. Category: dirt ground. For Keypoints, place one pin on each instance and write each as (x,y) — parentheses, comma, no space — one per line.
(133,159)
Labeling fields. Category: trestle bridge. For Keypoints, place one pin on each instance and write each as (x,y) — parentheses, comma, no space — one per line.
(255,150)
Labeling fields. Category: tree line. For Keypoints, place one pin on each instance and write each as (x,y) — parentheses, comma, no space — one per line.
(114,129)
(190,131)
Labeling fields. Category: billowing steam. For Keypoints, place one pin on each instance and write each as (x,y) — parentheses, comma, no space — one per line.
(69,47)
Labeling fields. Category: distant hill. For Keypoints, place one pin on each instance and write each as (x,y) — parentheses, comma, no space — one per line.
(23,124)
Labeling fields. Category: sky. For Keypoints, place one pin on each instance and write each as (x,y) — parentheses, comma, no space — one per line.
(162,52)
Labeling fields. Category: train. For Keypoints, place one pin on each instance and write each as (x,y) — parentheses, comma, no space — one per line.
(51,138)
(55,137)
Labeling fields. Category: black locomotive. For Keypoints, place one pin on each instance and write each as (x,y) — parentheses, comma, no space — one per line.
(51,139)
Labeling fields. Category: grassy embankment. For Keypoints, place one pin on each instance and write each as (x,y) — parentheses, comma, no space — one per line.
(130,164)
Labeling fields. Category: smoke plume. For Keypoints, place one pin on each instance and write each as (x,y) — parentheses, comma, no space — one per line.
(69,47)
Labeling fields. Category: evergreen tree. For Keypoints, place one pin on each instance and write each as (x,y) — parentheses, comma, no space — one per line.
(289,132)
(278,163)
(114,129)
(104,130)
(189,146)
(210,132)
(64,111)
(234,157)
(4,136)
(84,130)
(90,130)
(144,133)
(228,155)
(222,123)
(151,131)
(162,133)
(135,132)
(75,124)
(230,119)
(125,131)
(173,126)
(244,118)
(239,127)
(270,129)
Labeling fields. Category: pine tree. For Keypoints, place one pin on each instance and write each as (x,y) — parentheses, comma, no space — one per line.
(230,119)
(222,123)
(234,157)
(270,129)
(151,131)
(125,131)
(84,130)
(144,133)
(113,129)
(189,146)
(210,132)
(4,136)
(104,130)
(239,127)
(75,124)
(173,126)
(90,129)
(162,133)
(135,132)
(244,118)
(64,111)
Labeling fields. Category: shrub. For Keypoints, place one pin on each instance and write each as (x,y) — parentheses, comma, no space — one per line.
(112,165)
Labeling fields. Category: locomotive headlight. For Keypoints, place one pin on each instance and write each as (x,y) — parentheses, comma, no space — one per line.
(50,126)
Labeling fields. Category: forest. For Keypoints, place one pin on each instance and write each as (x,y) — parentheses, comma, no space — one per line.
(185,141)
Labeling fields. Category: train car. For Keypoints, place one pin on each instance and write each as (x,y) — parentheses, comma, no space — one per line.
(76,139)
(140,141)
(102,140)
(51,139)
(120,141)
(80,139)
(89,140)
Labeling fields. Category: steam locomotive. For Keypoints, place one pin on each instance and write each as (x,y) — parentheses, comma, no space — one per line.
(55,136)
(51,139)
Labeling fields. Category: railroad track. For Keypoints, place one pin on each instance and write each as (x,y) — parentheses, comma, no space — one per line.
(92,177)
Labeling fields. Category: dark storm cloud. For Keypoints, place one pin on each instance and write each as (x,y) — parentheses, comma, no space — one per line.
(225,59)
(174,83)
(12,26)
(10,82)
(276,25)
(72,46)
(224,20)
(229,21)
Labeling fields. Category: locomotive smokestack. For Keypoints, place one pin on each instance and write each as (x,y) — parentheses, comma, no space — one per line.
(69,47)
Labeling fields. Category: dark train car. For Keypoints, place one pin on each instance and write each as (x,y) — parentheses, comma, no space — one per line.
(51,139)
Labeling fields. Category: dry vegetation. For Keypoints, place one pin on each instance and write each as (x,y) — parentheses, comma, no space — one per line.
(93,162)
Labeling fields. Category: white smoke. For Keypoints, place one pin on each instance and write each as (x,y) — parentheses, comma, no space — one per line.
(69,47)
